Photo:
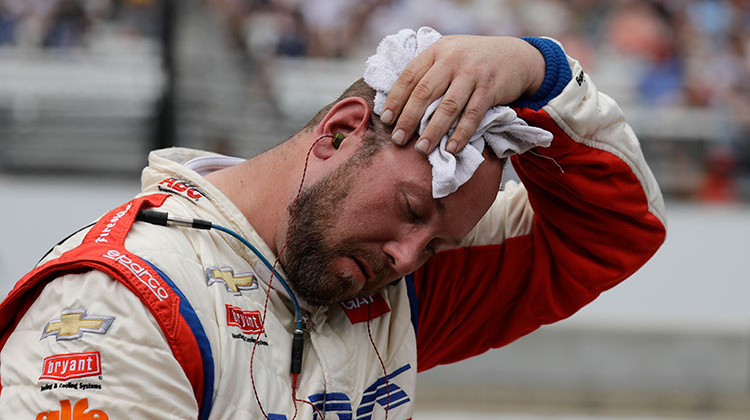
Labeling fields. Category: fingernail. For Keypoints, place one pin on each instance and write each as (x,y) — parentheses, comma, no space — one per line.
(386,116)
(398,137)
(451,147)
(423,145)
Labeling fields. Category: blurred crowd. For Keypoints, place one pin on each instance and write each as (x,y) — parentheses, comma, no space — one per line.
(693,52)
(71,23)
(674,53)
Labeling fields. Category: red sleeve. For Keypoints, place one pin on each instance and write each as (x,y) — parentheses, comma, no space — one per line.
(592,228)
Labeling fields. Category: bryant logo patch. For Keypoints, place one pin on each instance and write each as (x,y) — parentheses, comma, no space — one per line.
(234,284)
(177,186)
(79,411)
(62,367)
(74,322)
(365,308)
(248,321)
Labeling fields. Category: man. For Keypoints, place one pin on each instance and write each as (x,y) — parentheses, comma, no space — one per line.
(145,321)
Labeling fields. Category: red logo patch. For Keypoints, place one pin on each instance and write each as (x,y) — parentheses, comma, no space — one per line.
(364,309)
(180,187)
(62,367)
(248,321)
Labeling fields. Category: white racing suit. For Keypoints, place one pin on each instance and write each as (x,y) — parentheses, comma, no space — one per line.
(147,321)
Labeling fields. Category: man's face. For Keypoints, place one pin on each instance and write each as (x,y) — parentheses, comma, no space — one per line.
(364,225)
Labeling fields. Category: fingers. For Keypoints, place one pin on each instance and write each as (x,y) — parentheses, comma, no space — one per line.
(405,84)
(417,87)
(453,75)
(473,113)
(462,97)
(451,106)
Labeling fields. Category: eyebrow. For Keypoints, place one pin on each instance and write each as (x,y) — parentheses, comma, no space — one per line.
(439,204)
(425,195)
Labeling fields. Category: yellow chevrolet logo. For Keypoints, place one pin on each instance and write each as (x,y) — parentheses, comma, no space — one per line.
(233,283)
(74,322)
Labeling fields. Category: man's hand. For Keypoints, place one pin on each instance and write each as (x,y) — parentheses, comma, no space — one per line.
(474,73)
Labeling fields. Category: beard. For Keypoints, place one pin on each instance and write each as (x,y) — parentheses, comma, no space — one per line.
(307,258)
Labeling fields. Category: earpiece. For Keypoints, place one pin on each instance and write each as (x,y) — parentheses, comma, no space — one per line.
(337,139)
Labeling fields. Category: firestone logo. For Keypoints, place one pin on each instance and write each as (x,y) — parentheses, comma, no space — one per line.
(112,223)
(62,367)
(249,321)
(141,273)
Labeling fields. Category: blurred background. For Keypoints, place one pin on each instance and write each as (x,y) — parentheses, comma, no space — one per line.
(88,87)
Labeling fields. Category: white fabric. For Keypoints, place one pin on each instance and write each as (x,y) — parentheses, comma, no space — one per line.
(204,165)
(501,128)
(135,355)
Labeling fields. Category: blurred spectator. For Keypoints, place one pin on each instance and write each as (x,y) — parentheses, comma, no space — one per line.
(642,29)
(718,184)
(139,17)
(294,35)
(66,24)
(7,24)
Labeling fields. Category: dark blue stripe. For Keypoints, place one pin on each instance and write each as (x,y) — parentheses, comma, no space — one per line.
(411,292)
(316,397)
(557,74)
(394,390)
(368,398)
(365,409)
(402,402)
(188,313)
(394,397)
(333,406)
(381,380)
(333,396)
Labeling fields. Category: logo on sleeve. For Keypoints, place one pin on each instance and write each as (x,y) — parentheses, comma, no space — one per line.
(248,321)
(364,309)
(143,274)
(234,283)
(62,367)
(74,322)
(79,411)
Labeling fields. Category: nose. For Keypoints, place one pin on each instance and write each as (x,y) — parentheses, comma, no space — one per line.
(408,252)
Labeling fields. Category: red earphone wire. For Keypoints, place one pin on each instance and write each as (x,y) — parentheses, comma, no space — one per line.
(382,365)
(270,281)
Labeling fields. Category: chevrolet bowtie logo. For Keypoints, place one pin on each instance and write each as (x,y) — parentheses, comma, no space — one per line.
(74,322)
(233,283)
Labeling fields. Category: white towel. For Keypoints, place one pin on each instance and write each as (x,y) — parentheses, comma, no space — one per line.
(501,129)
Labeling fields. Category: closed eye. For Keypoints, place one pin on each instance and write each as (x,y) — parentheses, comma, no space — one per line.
(412,214)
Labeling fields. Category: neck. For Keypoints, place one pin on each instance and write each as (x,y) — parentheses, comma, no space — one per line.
(263,187)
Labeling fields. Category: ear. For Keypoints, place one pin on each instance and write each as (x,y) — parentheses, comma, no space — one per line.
(350,117)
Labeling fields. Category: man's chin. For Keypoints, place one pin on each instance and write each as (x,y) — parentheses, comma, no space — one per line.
(330,292)
(347,289)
